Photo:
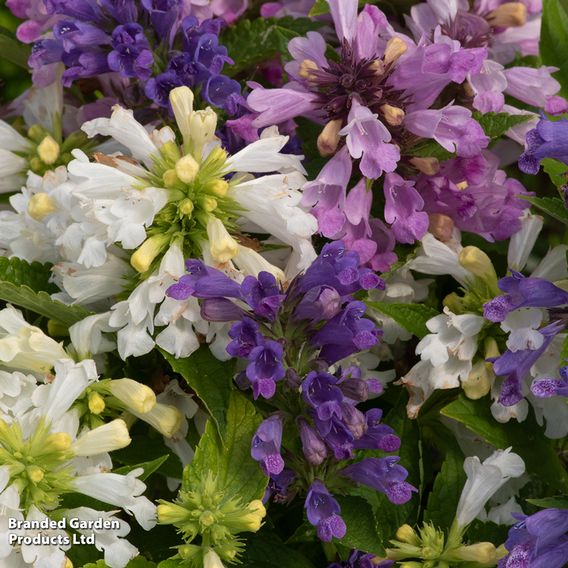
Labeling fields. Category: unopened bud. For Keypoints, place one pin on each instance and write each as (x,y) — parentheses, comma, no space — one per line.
(441,226)
(396,47)
(222,246)
(212,560)
(252,519)
(48,150)
(181,99)
(483,553)
(328,140)
(170,513)
(207,518)
(508,15)
(186,207)
(187,168)
(218,187)
(393,115)
(35,473)
(132,394)
(188,551)
(96,403)
(478,263)
(165,418)
(40,205)
(406,533)
(68,563)
(307,67)
(478,382)
(170,178)
(428,165)
(58,442)
(209,204)
(491,348)
(142,259)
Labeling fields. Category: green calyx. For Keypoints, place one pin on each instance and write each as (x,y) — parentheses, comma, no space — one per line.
(207,512)
(428,547)
(37,465)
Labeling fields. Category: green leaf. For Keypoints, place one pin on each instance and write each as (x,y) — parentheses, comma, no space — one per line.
(319,8)
(149,467)
(526,439)
(554,39)
(554,206)
(13,50)
(267,551)
(236,472)
(41,303)
(250,43)
(412,317)
(495,124)
(362,528)
(448,485)
(170,563)
(550,502)
(210,378)
(430,149)
(556,171)
(35,275)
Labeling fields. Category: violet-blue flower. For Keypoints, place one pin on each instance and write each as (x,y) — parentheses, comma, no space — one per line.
(548,387)
(324,512)
(265,446)
(265,368)
(548,140)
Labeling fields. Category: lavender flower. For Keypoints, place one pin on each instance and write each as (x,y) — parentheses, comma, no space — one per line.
(548,387)
(538,540)
(323,512)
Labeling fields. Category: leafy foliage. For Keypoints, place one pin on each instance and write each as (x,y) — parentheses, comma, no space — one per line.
(554,206)
(554,40)
(412,317)
(495,124)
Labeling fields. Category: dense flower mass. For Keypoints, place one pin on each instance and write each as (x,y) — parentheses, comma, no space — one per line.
(283,284)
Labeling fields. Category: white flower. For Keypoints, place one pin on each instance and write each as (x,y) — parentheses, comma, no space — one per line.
(523,241)
(212,560)
(522,325)
(24,346)
(484,479)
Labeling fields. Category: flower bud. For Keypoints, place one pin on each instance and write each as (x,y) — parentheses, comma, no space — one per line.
(181,99)
(146,253)
(40,205)
(170,178)
(393,115)
(483,553)
(186,207)
(395,48)
(252,519)
(250,262)
(187,168)
(37,133)
(427,165)
(165,418)
(203,126)
(48,150)
(58,442)
(68,563)
(171,513)
(312,445)
(478,382)
(221,245)
(188,551)
(328,140)
(96,403)
(406,533)
(508,15)
(212,560)
(35,473)
(218,187)
(441,226)
(106,438)
(209,204)
(132,394)
(479,264)
(307,67)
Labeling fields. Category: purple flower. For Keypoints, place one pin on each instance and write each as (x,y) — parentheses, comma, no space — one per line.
(548,140)
(337,435)
(319,304)
(523,292)
(377,436)
(245,337)
(278,485)
(538,541)
(131,55)
(548,387)
(321,392)
(403,209)
(265,446)
(265,367)
(163,15)
(384,475)
(203,282)
(452,127)
(263,295)
(348,332)
(323,512)
(359,559)
(515,366)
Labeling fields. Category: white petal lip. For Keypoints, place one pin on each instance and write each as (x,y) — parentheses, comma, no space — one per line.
(10,139)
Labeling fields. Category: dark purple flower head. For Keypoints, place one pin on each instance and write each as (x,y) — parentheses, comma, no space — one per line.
(384,475)
(263,295)
(265,368)
(245,337)
(131,55)
(523,292)
(323,512)
(265,446)
(548,140)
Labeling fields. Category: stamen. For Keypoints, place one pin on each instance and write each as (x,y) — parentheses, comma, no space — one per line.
(328,140)
(306,68)
(508,15)
(396,47)
(393,115)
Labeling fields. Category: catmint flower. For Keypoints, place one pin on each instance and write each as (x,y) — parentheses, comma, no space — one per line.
(265,446)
